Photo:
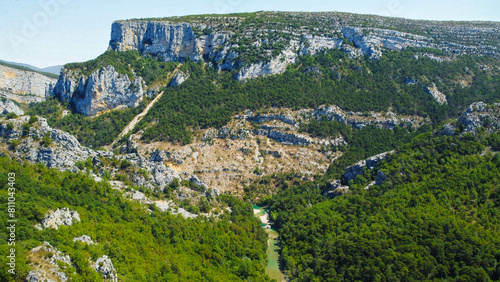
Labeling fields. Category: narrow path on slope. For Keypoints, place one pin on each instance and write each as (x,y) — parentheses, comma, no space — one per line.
(139,117)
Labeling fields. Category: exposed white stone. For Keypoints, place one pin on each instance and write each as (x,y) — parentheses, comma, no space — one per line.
(371,40)
(480,114)
(54,219)
(63,153)
(358,168)
(165,206)
(179,78)
(104,266)
(47,267)
(9,107)
(438,95)
(23,83)
(84,239)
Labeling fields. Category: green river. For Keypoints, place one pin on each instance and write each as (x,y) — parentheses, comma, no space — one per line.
(273,266)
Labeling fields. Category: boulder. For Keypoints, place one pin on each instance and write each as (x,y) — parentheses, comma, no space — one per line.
(104,266)
(178,78)
(84,239)
(54,219)
(335,188)
(8,106)
(358,168)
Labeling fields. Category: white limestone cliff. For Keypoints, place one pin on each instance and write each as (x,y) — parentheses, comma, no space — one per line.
(25,86)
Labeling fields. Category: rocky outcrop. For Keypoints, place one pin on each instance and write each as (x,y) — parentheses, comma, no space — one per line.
(49,263)
(84,239)
(386,120)
(69,82)
(54,219)
(477,115)
(10,107)
(168,41)
(335,188)
(480,114)
(137,196)
(286,118)
(371,41)
(168,206)
(25,83)
(65,150)
(288,138)
(161,174)
(166,156)
(178,78)
(436,94)
(275,133)
(276,39)
(105,89)
(313,44)
(62,154)
(329,112)
(276,65)
(197,182)
(104,266)
(358,168)
(180,41)
(47,267)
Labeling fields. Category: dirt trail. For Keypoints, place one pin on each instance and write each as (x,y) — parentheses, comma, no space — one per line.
(139,117)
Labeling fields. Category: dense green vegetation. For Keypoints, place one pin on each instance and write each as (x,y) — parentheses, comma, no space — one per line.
(362,143)
(130,62)
(142,246)
(92,132)
(209,99)
(436,217)
(102,130)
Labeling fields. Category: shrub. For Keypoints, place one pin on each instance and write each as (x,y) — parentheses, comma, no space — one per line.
(46,141)
(14,143)
(11,115)
(33,119)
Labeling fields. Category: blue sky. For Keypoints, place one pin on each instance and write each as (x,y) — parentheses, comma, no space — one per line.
(52,32)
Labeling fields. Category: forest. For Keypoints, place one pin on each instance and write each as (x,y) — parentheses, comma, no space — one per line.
(142,246)
(435,218)
(210,98)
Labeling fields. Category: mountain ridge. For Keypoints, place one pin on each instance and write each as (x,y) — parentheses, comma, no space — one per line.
(48,71)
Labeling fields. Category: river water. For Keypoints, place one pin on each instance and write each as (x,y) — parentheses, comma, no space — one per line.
(273,266)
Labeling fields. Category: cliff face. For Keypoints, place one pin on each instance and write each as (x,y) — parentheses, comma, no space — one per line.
(171,42)
(261,44)
(268,43)
(25,86)
(371,41)
(104,89)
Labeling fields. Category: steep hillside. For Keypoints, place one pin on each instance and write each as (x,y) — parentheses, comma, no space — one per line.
(433,216)
(370,144)
(264,43)
(357,70)
(71,227)
(259,44)
(24,85)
